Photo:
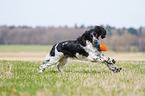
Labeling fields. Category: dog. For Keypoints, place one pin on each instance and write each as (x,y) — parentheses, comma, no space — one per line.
(83,48)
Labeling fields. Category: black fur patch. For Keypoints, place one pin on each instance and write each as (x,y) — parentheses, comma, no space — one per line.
(70,48)
(52,52)
(100,31)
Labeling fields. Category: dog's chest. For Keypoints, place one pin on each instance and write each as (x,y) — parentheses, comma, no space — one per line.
(90,48)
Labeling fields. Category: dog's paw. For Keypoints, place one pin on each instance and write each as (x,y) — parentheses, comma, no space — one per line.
(40,70)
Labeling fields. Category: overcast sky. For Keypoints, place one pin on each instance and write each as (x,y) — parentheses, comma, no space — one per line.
(118,13)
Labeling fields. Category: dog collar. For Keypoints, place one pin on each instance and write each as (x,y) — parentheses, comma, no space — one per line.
(97,45)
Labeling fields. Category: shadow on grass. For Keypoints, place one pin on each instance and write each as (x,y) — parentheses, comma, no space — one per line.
(83,71)
(89,72)
(51,71)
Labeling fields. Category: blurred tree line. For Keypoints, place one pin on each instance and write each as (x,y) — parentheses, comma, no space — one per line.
(118,39)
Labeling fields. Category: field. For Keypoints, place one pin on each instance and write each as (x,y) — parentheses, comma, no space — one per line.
(19,77)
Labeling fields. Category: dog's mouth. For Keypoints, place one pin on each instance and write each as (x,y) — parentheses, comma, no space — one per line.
(96,42)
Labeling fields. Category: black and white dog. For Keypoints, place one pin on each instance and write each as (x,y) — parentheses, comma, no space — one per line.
(82,48)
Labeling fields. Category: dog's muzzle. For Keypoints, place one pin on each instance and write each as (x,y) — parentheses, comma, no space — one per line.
(95,42)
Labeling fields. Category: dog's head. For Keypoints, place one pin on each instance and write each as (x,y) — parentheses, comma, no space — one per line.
(92,35)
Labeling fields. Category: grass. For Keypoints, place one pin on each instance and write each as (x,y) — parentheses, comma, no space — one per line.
(20,78)
(24,48)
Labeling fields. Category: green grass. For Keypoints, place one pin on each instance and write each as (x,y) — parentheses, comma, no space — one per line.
(20,78)
(24,48)
(81,79)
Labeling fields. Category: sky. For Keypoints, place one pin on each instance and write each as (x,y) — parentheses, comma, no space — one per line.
(117,13)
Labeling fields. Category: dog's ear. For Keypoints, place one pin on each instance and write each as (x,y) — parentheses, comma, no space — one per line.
(100,31)
(82,39)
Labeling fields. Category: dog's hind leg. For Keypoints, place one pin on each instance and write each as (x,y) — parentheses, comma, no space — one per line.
(42,67)
(49,63)
(61,63)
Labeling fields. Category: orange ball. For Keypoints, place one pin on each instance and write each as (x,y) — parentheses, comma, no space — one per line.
(103,48)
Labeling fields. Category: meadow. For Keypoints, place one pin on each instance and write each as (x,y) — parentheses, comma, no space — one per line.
(19,77)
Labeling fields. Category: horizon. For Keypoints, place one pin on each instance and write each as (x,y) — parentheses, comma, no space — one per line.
(66,26)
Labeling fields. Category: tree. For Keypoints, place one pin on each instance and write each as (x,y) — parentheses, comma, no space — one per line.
(132,31)
(140,31)
(120,32)
(76,26)
(108,28)
(82,26)
(90,26)
(11,27)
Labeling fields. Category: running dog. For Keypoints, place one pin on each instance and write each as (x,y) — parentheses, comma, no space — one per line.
(82,48)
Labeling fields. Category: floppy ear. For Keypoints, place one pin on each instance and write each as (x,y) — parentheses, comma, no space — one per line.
(82,39)
(100,31)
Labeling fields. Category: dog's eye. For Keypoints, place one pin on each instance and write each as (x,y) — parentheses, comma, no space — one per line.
(95,34)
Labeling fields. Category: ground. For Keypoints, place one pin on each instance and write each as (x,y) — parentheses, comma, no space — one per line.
(18,75)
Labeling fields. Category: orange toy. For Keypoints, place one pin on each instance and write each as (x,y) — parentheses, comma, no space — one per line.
(103,48)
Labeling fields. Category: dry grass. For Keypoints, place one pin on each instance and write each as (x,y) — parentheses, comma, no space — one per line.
(38,52)
(39,56)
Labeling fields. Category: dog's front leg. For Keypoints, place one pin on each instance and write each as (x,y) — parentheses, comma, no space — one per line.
(107,61)
(110,64)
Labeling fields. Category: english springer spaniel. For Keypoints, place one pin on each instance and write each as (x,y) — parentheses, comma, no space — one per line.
(82,48)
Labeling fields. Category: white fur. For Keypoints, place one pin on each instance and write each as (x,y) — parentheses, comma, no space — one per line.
(93,52)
